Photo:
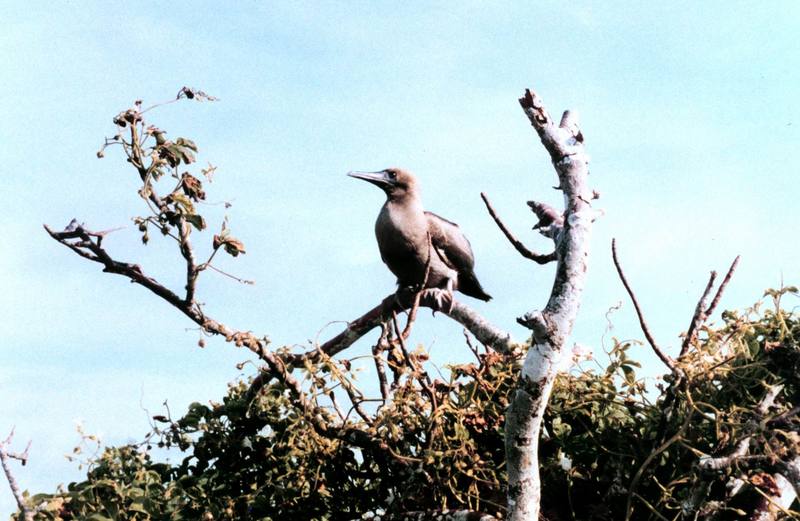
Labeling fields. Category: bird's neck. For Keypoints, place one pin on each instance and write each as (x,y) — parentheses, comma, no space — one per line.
(408,202)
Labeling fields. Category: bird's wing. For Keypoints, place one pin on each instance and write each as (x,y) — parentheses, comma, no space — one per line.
(455,251)
(450,244)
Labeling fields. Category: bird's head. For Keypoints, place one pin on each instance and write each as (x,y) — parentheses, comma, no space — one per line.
(396,182)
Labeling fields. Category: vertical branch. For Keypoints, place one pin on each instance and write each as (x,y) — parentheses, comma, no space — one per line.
(5,460)
(552,326)
(699,314)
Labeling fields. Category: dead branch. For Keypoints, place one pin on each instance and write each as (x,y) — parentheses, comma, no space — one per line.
(483,330)
(5,457)
(550,222)
(81,241)
(642,322)
(722,287)
(377,349)
(699,314)
(521,248)
(552,326)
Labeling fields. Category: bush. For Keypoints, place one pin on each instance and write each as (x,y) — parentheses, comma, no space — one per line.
(612,443)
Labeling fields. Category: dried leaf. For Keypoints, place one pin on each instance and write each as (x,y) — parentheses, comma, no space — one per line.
(192,187)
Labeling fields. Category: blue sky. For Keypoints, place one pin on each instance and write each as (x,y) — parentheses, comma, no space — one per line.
(689,110)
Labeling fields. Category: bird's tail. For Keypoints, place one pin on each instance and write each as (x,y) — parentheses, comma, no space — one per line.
(468,285)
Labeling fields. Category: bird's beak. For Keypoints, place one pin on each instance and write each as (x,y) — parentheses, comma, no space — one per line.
(380,179)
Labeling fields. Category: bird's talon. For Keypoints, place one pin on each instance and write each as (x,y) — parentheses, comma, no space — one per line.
(444,301)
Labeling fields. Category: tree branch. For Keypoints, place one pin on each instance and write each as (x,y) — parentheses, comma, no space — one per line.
(87,244)
(642,322)
(722,287)
(483,330)
(521,248)
(699,314)
(552,326)
(80,241)
(5,457)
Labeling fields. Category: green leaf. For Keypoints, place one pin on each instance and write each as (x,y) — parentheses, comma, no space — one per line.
(630,375)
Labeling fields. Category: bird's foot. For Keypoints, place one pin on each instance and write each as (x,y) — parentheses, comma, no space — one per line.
(443,300)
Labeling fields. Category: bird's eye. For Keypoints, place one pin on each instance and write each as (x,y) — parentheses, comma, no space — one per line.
(392,175)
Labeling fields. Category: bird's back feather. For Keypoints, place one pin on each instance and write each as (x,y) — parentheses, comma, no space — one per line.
(456,252)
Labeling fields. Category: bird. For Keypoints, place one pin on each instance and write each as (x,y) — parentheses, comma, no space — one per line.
(419,246)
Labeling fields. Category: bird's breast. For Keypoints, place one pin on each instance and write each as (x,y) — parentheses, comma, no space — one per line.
(402,235)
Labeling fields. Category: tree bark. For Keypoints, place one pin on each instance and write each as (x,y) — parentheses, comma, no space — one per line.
(552,326)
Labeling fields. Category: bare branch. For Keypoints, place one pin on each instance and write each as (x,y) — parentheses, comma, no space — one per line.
(642,322)
(550,222)
(5,457)
(81,241)
(722,287)
(521,248)
(485,332)
(85,244)
(699,314)
(377,349)
(702,313)
(553,325)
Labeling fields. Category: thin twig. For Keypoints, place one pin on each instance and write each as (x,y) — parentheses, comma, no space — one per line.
(469,344)
(784,417)
(336,406)
(377,349)
(699,314)
(234,277)
(425,383)
(401,341)
(521,248)
(642,322)
(722,287)
(5,456)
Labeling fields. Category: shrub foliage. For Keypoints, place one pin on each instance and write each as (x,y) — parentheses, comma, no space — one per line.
(613,443)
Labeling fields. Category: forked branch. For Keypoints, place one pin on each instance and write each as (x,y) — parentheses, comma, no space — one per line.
(6,456)
(552,326)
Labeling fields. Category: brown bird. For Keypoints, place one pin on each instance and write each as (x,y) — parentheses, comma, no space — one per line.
(403,230)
